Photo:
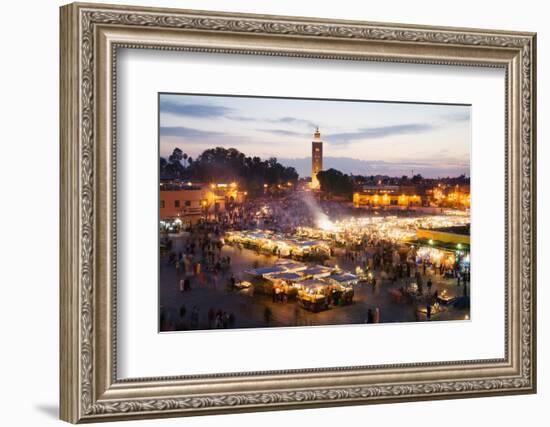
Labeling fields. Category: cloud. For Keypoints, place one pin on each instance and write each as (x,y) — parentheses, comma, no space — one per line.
(379,132)
(463,115)
(307,123)
(279,120)
(245,119)
(283,132)
(185,132)
(172,106)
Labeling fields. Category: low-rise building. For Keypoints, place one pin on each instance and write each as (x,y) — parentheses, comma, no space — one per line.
(387,196)
(453,196)
(230,193)
(189,202)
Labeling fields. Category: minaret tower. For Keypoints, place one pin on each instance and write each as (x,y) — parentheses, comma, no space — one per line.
(316,159)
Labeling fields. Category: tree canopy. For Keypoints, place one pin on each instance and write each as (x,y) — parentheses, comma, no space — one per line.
(227,165)
(335,182)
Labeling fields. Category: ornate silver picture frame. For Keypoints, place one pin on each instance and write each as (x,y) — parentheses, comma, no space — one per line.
(91,36)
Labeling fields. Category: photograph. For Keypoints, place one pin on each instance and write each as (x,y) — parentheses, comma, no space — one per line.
(280,212)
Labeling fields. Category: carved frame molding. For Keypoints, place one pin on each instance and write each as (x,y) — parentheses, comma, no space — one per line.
(90,37)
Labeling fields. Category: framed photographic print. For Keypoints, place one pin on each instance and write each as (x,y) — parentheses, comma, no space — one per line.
(266,212)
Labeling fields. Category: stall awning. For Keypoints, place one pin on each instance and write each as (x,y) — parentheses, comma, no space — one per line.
(316,270)
(312,283)
(292,277)
(343,278)
(265,270)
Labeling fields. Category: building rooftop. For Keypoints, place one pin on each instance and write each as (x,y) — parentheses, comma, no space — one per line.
(463,230)
(438,244)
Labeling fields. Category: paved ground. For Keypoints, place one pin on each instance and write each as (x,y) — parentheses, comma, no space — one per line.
(248,309)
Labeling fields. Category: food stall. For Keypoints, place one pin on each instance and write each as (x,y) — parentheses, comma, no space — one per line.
(343,279)
(284,245)
(319,294)
(313,295)
(284,283)
(342,287)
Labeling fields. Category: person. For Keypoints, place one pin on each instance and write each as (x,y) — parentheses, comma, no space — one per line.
(182,285)
(194,317)
(370,316)
(277,294)
(335,297)
(211,316)
(428,312)
(415,312)
(296,315)
(218,323)
(267,315)
(225,320)
(376,316)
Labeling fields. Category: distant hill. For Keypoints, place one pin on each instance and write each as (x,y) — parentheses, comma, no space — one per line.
(349,165)
(343,164)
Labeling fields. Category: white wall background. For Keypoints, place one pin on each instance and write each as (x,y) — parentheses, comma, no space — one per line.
(29,168)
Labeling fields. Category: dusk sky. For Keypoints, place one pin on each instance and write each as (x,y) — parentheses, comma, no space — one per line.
(363,138)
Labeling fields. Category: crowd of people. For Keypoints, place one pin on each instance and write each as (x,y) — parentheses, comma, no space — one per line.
(215,319)
(201,252)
